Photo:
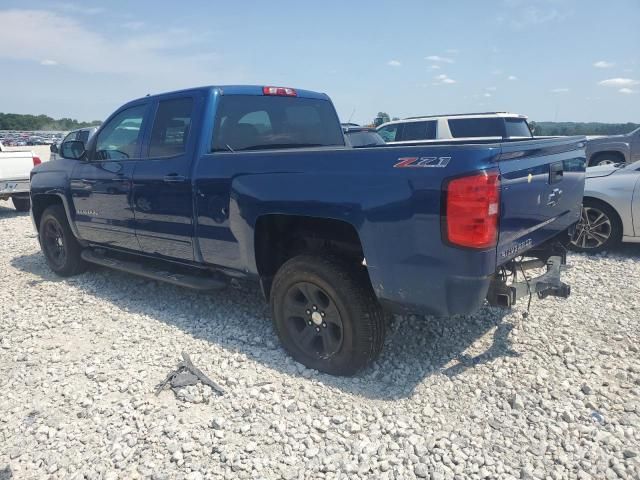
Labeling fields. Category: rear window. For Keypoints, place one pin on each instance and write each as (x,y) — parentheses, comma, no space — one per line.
(364,139)
(390,132)
(517,127)
(476,127)
(171,127)
(251,122)
(419,131)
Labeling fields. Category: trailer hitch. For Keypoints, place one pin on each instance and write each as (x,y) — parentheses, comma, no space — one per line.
(546,285)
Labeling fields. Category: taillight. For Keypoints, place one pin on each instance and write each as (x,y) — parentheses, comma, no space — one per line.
(282,91)
(36,160)
(471,210)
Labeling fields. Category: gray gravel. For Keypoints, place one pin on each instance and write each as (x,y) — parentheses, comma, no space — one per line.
(556,395)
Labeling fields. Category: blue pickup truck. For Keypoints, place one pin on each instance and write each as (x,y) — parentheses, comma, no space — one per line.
(199,186)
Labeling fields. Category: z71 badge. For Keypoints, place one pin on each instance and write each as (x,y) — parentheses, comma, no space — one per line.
(422,162)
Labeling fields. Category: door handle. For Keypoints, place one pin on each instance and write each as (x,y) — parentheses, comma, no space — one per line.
(556,172)
(174,178)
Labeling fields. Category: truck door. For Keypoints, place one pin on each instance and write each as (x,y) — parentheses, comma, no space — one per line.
(101,186)
(162,193)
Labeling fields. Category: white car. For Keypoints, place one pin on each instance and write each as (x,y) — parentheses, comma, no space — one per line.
(15,168)
(610,209)
(490,126)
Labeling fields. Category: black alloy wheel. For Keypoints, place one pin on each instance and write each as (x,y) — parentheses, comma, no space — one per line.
(312,320)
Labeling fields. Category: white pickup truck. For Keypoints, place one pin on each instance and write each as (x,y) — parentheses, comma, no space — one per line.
(15,168)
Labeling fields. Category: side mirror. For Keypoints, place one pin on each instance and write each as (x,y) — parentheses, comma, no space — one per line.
(53,148)
(73,149)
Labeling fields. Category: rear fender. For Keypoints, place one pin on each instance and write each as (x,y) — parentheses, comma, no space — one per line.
(248,203)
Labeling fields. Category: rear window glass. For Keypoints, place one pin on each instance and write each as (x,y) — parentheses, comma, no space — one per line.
(390,132)
(419,131)
(364,139)
(253,122)
(517,127)
(171,127)
(476,127)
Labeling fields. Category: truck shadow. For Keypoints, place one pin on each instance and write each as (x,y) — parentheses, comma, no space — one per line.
(6,473)
(7,211)
(416,348)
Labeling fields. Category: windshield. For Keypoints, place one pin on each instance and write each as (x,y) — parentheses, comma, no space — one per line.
(251,122)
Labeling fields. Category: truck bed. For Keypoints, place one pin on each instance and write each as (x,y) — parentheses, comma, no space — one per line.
(397,211)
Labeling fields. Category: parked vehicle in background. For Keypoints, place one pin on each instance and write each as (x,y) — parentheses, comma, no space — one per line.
(490,126)
(361,137)
(198,186)
(614,149)
(82,135)
(14,177)
(611,208)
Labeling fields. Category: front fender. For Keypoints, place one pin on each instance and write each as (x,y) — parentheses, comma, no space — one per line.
(48,183)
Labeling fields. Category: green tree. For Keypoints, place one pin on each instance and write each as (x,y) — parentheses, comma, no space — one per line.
(382,117)
(16,121)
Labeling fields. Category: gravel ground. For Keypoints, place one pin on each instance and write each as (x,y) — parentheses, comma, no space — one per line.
(556,395)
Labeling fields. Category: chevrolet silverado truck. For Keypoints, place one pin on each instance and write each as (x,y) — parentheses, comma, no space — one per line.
(14,177)
(200,186)
(614,149)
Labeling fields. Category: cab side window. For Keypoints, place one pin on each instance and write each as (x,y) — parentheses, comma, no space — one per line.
(390,132)
(120,138)
(419,131)
(171,128)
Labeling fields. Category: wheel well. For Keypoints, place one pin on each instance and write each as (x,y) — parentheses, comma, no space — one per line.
(611,154)
(40,203)
(281,237)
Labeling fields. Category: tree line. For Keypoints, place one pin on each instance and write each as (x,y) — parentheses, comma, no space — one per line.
(16,121)
(543,129)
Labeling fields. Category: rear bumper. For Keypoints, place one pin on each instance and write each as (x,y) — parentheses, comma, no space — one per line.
(453,295)
(14,187)
(459,295)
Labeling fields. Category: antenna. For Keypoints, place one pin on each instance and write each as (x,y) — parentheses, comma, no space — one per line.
(352,114)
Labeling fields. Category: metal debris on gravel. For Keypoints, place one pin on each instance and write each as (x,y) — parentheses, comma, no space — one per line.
(492,395)
(187,374)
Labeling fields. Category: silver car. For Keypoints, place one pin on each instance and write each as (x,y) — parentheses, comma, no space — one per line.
(611,208)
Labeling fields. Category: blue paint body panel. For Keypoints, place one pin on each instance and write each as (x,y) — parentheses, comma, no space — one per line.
(210,219)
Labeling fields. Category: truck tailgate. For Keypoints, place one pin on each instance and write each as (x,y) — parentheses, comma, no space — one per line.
(15,165)
(542,184)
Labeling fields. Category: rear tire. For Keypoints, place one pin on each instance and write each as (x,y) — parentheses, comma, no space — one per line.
(599,228)
(21,204)
(326,314)
(605,159)
(60,247)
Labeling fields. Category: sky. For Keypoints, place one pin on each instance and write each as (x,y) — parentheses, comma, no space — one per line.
(553,60)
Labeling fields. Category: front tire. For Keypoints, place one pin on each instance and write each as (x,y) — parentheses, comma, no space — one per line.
(599,228)
(60,247)
(21,204)
(326,314)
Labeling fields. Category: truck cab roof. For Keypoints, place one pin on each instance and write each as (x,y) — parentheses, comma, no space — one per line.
(234,90)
